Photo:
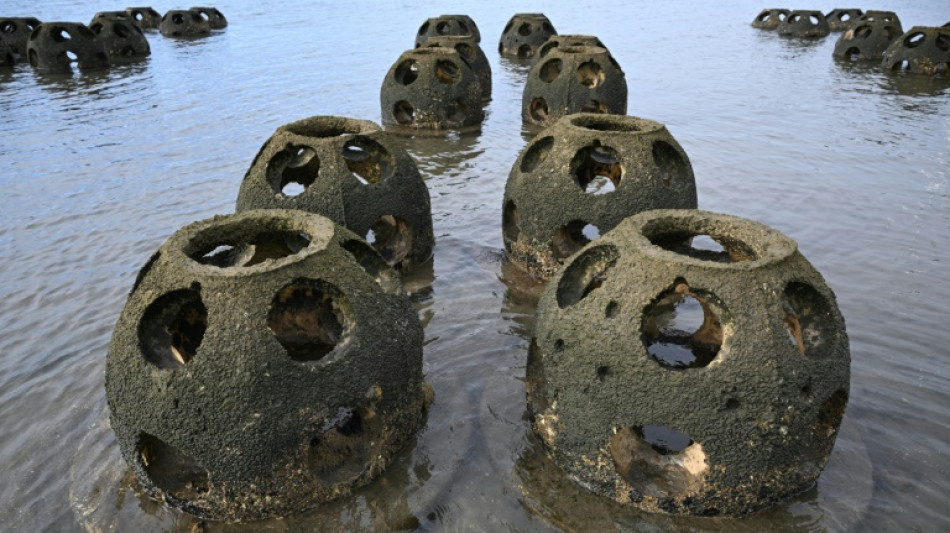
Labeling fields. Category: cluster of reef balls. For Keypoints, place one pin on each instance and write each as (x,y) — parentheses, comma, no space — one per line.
(869,37)
(111,38)
(683,362)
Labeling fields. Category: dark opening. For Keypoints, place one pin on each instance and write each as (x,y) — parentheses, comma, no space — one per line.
(172,471)
(680,328)
(299,166)
(406,72)
(585,274)
(172,328)
(456,111)
(808,319)
(392,238)
(597,169)
(367,160)
(914,40)
(511,223)
(309,319)
(536,154)
(447,72)
(525,29)
(673,168)
(590,74)
(404,113)
(550,70)
(525,51)
(538,110)
(371,262)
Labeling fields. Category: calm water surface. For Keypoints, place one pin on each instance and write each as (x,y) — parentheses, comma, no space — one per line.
(99,169)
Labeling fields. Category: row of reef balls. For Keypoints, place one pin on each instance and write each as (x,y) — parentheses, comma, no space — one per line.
(112,37)
(444,82)
(871,37)
(684,362)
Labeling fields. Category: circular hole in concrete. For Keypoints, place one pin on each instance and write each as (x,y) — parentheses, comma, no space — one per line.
(298,167)
(590,74)
(585,274)
(525,51)
(813,19)
(404,113)
(392,238)
(171,470)
(605,124)
(595,106)
(60,34)
(372,263)
(524,29)
(447,72)
(538,110)
(547,47)
(680,328)
(782,15)
(731,404)
(808,319)
(510,223)
(612,309)
(795,18)
(121,30)
(178,18)
(536,154)
(70,57)
(658,461)
(914,40)
(673,168)
(852,54)
(367,160)
(273,245)
(8,26)
(424,28)
(663,439)
(456,112)
(466,51)
(571,237)
(596,169)
(224,256)
(602,372)
(764,16)
(705,246)
(863,31)
(943,42)
(310,318)
(172,328)
(548,28)
(550,70)
(406,72)
(442,28)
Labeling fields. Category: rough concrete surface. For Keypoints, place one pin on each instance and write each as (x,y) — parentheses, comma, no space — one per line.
(524,34)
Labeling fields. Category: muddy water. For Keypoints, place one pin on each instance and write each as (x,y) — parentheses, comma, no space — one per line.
(99,169)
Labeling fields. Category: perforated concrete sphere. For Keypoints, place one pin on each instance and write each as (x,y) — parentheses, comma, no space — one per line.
(148,18)
(573,79)
(842,19)
(524,34)
(54,47)
(215,18)
(472,55)
(184,24)
(448,25)
(556,41)
(769,19)
(264,362)
(804,24)
(867,41)
(689,362)
(351,172)
(121,36)
(431,89)
(15,32)
(880,16)
(581,177)
(921,50)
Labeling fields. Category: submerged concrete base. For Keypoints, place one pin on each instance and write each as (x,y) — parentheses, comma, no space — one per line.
(689,363)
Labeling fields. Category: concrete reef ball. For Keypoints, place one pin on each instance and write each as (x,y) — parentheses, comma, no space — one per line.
(472,54)
(581,177)
(148,18)
(16,33)
(921,50)
(769,19)
(54,47)
(679,378)
(264,362)
(804,25)
(352,172)
(448,25)
(431,89)
(842,19)
(524,34)
(573,79)
(867,40)
(566,40)
(215,18)
(880,16)
(180,23)
(121,36)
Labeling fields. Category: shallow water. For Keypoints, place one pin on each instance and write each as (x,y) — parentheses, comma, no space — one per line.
(101,168)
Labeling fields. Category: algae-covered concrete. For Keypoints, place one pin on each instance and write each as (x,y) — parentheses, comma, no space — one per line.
(216,19)
(184,24)
(471,53)
(581,177)
(867,40)
(121,36)
(840,19)
(804,24)
(52,44)
(769,19)
(264,362)
(573,79)
(524,34)
(689,377)
(921,50)
(15,32)
(148,18)
(430,88)
(448,25)
(352,172)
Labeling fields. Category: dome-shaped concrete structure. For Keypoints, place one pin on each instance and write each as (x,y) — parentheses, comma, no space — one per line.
(867,40)
(689,363)
(121,36)
(184,24)
(921,50)
(264,362)
(54,47)
(148,18)
(524,34)
(472,55)
(446,26)
(841,19)
(15,32)
(804,24)
(769,19)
